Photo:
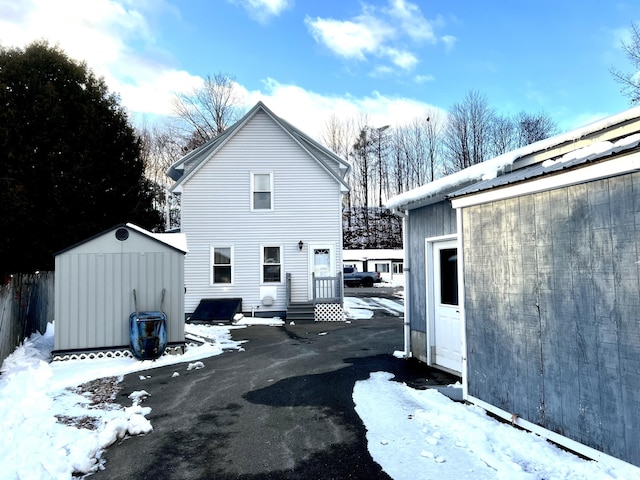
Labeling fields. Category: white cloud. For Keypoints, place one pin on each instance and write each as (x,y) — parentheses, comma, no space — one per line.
(401,58)
(100,32)
(263,10)
(350,39)
(449,42)
(391,33)
(412,21)
(294,104)
(424,78)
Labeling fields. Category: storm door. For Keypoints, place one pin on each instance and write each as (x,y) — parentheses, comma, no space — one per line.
(446,340)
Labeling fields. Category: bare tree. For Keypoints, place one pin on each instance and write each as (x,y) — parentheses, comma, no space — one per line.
(467,134)
(534,127)
(504,136)
(210,109)
(630,81)
(433,125)
(162,145)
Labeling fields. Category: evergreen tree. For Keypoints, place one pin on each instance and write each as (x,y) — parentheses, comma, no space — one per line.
(70,163)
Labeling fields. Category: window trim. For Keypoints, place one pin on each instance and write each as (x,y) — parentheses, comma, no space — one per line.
(253,191)
(262,263)
(211,265)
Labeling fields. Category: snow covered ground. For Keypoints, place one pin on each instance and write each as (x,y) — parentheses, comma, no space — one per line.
(57,418)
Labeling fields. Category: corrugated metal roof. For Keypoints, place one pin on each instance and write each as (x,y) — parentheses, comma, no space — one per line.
(593,153)
(473,176)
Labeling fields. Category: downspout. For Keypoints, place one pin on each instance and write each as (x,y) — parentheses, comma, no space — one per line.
(407,273)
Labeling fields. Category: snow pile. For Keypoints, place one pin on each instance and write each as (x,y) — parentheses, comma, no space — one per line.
(356,309)
(423,434)
(269,321)
(362,308)
(52,429)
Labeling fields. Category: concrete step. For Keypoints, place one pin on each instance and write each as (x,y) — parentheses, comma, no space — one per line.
(301,312)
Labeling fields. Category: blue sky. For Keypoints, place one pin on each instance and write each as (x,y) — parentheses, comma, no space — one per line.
(306,59)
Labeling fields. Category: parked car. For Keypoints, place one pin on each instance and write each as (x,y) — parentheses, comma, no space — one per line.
(353,278)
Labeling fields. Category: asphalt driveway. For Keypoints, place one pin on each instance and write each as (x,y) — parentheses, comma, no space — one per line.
(281,409)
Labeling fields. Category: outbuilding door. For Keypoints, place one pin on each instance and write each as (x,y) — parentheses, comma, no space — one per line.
(446,345)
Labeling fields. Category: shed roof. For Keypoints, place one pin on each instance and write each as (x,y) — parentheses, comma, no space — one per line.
(200,155)
(592,153)
(175,241)
(502,166)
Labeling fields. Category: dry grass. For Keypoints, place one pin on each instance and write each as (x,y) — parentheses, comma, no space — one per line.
(101,394)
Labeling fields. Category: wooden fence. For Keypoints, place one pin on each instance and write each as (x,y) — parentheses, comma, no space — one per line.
(26,306)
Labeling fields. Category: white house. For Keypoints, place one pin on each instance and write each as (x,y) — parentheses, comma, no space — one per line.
(388,262)
(261,209)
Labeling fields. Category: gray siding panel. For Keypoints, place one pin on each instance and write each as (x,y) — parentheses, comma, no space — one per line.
(552,303)
(430,221)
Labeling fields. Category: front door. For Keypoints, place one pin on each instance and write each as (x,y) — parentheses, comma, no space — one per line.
(446,312)
(322,264)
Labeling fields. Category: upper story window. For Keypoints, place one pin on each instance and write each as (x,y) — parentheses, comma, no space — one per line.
(262,191)
(221,265)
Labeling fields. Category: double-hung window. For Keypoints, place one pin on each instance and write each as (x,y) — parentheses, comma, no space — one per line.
(271,264)
(261,191)
(221,265)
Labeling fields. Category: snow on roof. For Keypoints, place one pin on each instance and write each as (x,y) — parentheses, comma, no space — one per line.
(592,152)
(175,240)
(436,190)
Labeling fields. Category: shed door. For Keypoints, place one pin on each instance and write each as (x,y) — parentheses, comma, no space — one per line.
(446,314)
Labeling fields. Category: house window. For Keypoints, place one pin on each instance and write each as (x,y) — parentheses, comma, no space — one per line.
(398,268)
(262,191)
(382,267)
(271,264)
(221,265)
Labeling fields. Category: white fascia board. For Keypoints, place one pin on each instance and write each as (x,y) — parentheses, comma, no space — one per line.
(596,171)
(552,436)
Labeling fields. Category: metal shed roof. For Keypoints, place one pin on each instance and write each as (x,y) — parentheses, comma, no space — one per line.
(592,153)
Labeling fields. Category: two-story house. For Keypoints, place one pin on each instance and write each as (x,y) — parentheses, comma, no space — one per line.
(261,209)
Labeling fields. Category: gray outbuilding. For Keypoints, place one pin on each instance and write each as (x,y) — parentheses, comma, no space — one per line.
(94,284)
(523,276)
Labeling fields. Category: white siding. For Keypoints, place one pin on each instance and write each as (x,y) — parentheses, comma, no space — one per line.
(94,285)
(216,210)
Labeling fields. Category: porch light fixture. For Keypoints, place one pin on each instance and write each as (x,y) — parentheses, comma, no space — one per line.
(300,244)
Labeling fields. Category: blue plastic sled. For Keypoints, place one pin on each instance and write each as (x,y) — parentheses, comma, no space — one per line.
(148,333)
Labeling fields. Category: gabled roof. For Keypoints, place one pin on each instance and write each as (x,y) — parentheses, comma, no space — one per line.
(194,160)
(175,241)
(506,168)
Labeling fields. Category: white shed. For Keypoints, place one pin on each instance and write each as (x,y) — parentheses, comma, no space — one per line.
(94,284)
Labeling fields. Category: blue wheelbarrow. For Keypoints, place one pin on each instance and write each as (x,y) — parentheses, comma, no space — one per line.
(148,331)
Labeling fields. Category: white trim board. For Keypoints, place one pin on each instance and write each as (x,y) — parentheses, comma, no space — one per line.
(596,171)
(552,436)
